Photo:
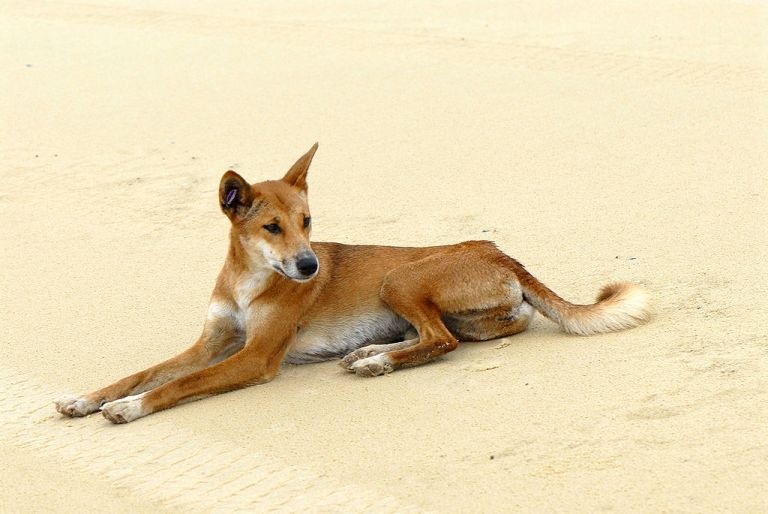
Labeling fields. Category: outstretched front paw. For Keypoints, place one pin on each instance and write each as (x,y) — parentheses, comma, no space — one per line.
(75,406)
(124,410)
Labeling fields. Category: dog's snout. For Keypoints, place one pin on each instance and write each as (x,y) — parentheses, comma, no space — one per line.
(307,264)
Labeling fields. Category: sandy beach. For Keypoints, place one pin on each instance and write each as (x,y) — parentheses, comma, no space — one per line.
(592,142)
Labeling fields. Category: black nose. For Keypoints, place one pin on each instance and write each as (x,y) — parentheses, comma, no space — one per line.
(307,265)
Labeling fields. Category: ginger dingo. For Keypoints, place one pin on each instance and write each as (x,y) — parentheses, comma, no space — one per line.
(281,298)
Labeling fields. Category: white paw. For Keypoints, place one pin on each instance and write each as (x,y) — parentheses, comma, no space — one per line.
(360,353)
(372,366)
(75,406)
(124,410)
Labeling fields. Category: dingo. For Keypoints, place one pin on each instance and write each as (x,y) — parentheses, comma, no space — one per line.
(279,298)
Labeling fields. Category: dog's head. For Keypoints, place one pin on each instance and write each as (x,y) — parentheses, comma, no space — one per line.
(271,219)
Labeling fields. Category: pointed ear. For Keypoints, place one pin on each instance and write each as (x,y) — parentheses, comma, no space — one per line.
(297,175)
(235,195)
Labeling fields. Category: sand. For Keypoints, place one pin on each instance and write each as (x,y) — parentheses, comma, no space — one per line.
(593,142)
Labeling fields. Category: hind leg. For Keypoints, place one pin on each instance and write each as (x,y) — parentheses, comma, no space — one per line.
(491,324)
(460,279)
(368,361)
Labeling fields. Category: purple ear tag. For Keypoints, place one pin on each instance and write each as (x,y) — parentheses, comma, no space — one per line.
(230,197)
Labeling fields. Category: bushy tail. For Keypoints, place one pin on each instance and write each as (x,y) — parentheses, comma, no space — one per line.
(619,305)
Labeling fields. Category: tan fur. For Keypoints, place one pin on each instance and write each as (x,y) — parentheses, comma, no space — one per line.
(381,308)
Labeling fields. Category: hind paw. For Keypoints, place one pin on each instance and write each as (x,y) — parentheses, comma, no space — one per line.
(372,366)
(359,354)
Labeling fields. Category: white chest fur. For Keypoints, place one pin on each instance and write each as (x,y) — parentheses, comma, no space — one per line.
(250,286)
(239,309)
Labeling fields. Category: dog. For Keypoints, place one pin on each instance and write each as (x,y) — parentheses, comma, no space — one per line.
(280,298)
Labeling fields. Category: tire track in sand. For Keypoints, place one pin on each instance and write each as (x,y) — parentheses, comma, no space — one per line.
(167,466)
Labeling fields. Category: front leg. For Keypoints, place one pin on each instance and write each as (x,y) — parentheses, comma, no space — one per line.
(222,336)
(257,363)
(186,362)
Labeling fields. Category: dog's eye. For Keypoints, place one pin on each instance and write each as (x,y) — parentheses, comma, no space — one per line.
(272,228)
(307,221)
